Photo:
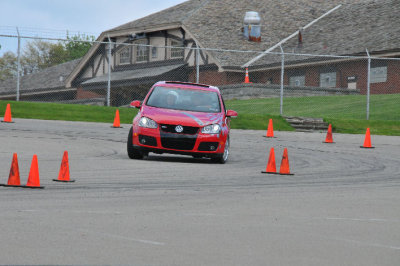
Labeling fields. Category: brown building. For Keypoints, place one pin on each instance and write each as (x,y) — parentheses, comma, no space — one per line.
(151,48)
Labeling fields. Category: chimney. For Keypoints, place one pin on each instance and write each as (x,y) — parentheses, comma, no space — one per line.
(252,26)
(300,38)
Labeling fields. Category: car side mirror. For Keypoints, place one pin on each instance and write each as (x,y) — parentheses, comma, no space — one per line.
(231,113)
(136,104)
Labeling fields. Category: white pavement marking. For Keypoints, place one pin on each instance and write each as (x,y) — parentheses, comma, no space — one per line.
(347,219)
(357,219)
(75,211)
(205,214)
(361,243)
(124,238)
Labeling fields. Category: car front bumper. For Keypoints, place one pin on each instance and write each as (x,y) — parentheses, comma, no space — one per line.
(199,144)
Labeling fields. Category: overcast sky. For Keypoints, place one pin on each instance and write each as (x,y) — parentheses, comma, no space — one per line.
(51,18)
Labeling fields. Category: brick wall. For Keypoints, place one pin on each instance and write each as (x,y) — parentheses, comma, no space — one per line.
(84,94)
(261,90)
(343,71)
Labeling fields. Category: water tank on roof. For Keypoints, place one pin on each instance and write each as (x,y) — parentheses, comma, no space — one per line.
(252,26)
(252,17)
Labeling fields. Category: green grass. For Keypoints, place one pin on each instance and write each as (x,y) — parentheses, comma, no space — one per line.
(345,113)
(256,121)
(382,107)
(68,112)
(377,127)
(74,112)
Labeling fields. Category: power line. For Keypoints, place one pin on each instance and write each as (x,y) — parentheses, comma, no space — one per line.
(43,32)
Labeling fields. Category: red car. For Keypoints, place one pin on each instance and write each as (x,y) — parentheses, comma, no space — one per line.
(181,118)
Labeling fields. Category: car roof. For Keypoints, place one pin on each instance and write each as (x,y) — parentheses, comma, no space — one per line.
(190,85)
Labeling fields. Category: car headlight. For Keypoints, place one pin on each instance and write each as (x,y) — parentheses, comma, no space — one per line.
(211,129)
(147,122)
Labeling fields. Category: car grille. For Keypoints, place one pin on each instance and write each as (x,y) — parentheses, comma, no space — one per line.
(186,130)
(178,141)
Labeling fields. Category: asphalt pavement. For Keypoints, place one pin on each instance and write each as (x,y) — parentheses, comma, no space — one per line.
(341,206)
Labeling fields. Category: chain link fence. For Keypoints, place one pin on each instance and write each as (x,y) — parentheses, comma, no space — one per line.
(286,83)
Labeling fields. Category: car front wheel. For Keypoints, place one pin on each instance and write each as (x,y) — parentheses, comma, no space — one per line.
(133,153)
(223,157)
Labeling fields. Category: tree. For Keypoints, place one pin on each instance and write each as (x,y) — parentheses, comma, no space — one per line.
(78,45)
(8,65)
(40,54)
(58,54)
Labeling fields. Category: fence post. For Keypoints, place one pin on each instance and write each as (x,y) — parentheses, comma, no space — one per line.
(282,76)
(18,64)
(109,71)
(368,81)
(197,64)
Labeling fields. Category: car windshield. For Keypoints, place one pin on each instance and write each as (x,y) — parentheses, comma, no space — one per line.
(185,99)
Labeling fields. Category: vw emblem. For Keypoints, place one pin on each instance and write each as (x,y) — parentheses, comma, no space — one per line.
(179,128)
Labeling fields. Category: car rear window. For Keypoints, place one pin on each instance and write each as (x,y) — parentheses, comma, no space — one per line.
(184,99)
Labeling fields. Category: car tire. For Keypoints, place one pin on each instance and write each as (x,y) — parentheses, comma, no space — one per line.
(223,158)
(133,153)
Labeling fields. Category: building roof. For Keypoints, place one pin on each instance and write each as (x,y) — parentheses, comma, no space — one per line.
(217,24)
(131,74)
(174,14)
(358,24)
(374,25)
(51,78)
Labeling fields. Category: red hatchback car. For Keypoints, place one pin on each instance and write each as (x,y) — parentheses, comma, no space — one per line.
(181,118)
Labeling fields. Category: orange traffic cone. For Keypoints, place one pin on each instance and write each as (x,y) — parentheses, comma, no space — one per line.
(63,175)
(270,130)
(284,169)
(33,178)
(329,138)
(246,78)
(116,120)
(271,166)
(7,115)
(13,178)
(367,140)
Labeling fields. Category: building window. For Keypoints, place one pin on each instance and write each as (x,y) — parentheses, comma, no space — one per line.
(125,55)
(154,52)
(327,80)
(378,74)
(176,52)
(142,52)
(297,81)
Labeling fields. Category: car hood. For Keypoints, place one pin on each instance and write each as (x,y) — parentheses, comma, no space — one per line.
(181,117)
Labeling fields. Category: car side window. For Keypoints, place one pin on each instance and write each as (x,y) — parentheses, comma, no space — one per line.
(223,104)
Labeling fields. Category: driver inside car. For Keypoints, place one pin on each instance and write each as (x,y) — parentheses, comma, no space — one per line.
(171,99)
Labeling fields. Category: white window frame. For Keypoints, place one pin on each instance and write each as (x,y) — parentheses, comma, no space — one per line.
(327,80)
(154,52)
(297,81)
(142,52)
(378,74)
(124,56)
(174,52)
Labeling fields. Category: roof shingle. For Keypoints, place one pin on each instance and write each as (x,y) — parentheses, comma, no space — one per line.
(358,24)
(49,78)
